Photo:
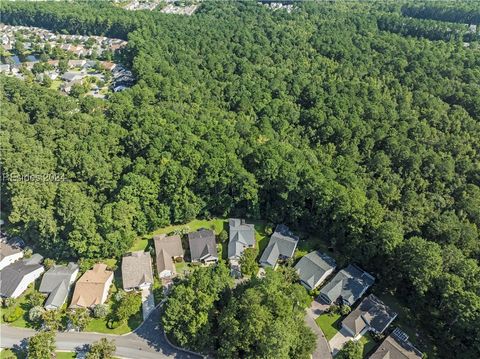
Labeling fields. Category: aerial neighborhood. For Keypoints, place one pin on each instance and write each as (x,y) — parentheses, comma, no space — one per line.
(317,272)
(64,62)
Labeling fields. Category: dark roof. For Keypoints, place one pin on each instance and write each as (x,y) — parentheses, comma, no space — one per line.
(312,267)
(372,313)
(396,346)
(241,235)
(349,284)
(136,269)
(202,245)
(282,243)
(12,275)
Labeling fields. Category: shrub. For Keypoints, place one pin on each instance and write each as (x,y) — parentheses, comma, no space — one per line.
(223,236)
(119,295)
(13,314)
(345,309)
(35,314)
(9,302)
(178,259)
(269,229)
(112,324)
(100,311)
(35,299)
(48,263)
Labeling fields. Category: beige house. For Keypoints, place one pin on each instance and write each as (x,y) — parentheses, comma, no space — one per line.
(92,287)
(137,271)
(167,249)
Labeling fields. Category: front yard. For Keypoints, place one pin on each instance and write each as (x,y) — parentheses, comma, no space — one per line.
(329,324)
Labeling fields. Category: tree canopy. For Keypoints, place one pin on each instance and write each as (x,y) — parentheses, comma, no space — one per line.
(356,120)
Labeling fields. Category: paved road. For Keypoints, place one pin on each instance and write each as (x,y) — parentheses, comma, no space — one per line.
(146,342)
(323,349)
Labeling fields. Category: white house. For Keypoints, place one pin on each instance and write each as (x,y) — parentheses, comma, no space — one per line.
(9,254)
(15,278)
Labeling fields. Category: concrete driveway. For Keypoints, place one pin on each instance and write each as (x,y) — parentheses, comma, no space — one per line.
(322,350)
(339,340)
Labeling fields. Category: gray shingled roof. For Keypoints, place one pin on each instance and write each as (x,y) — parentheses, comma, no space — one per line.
(282,243)
(241,235)
(396,346)
(312,268)
(202,245)
(372,313)
(136,269)
(12,275)
(349,284)
(56,281)
(7,250)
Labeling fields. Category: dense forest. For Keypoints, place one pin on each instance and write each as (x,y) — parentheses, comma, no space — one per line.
(332,118)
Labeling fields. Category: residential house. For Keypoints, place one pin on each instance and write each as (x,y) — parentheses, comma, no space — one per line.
(73,76)
(15,278)
(370,315)
(137,271)
(9,254)
(76,63)
(396,346)
(281,246)
(92,287)
(314,268)
(56,282)
(348,286)
(4,68)
(241,236)
(108,65)
(167,249)
(203,248)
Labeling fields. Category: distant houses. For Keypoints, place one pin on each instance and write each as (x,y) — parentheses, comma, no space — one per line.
(137,271)
(396,345)
(314,268)
(92,287)
(16,277)
(370,315)
(281,246)
(203,248)
(9,254)
(56,282)
(167,250)
(347,286)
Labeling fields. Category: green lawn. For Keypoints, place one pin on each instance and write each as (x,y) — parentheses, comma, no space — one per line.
(328,324)
(99,325)
(65,355)
(368,343)
(55,85)
(8,354)
(21,301)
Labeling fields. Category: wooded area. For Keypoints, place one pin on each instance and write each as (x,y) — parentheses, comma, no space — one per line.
(329,118)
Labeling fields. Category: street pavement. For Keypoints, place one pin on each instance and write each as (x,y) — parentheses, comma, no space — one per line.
(146,342)
(322,350)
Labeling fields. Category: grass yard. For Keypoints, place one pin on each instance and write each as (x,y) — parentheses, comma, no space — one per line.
(55,85)
(8,354)
(99,325)
(329,324)
(368,343)
(22,302)
(65,355)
